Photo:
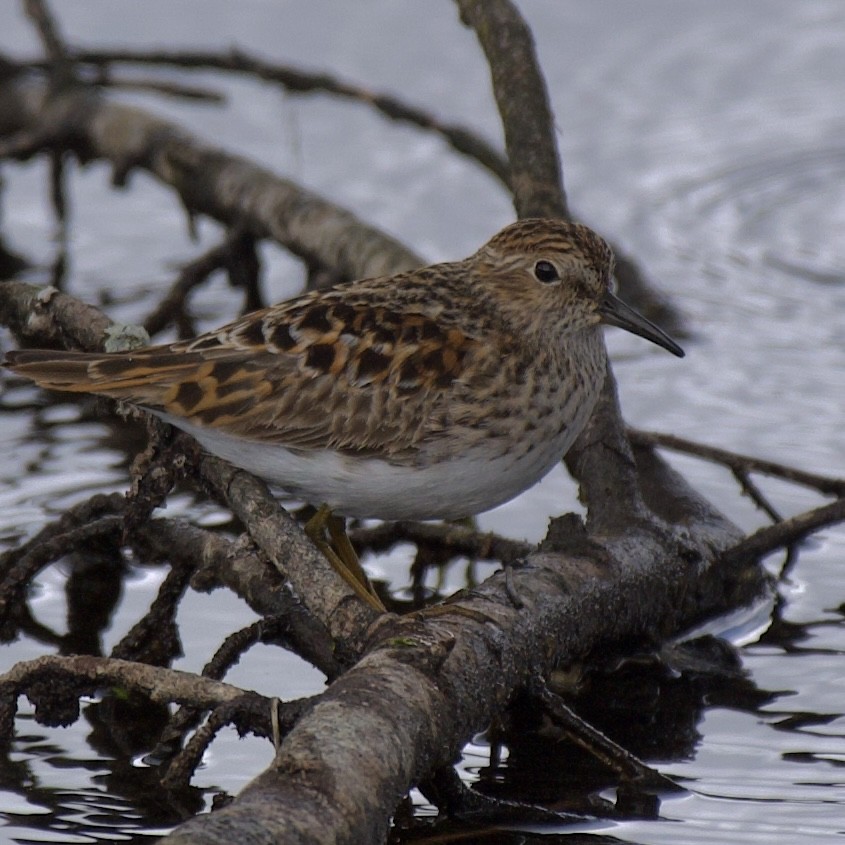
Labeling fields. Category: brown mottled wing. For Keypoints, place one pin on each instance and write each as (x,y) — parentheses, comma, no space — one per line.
(347,369)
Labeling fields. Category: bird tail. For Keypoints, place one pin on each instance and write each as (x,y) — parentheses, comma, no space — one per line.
(143,377)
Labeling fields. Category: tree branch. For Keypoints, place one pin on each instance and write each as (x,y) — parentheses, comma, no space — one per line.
(295,80)
(84,673)
(825,484)
(208,180)
(523,102)
(784,533)
(427,682)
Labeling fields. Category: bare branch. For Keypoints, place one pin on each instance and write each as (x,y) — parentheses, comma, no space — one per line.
(523,101)
(295,80)
(596,743)
(460,138)
(48,31)
(234,249)
(249,712)
(242,712)
(785,533)
(208,180)
(453,539)
(51,318)
(41,554)
(283,541)
(750,489)
(743,463)
(166,89)
(417,690)
(162,686)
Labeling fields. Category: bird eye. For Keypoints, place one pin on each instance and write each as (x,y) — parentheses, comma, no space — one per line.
(546,272)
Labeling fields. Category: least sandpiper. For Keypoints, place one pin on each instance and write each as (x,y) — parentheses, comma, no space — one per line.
(437,393)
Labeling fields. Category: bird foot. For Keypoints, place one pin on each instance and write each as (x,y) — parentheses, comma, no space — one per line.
(339,552)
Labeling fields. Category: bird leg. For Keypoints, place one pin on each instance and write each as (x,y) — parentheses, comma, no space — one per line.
(339,552)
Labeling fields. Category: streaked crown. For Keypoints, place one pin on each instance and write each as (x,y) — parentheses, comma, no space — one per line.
(569,247)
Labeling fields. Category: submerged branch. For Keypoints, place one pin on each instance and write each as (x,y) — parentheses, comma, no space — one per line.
(596,743)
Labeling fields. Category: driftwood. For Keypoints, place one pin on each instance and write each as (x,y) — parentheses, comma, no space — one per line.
(652,559)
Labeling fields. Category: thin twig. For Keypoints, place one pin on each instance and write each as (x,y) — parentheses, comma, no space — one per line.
(784,533)
(154,638)
(186,718)
(249,713)
(234,254)
(90,510)
(38,12)
(460,138)
(823,483)
(452,539)
(168,89)
(755,494)
(43,554)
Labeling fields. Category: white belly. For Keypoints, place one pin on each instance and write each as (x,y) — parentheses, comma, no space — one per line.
(366,487)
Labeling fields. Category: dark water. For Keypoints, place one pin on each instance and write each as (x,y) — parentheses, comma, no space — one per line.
(708,140)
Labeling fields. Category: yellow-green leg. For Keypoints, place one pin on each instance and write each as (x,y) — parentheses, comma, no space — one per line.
(340,554)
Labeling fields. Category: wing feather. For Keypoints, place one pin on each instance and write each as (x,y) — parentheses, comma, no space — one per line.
(349,369)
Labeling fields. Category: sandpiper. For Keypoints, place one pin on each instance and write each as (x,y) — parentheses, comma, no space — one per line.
(436,393)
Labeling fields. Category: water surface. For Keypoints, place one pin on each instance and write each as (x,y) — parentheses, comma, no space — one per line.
(704,138)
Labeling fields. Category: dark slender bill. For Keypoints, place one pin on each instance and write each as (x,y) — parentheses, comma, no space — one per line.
(616,313)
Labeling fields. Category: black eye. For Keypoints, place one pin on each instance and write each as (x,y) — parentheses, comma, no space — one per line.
(546,272)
